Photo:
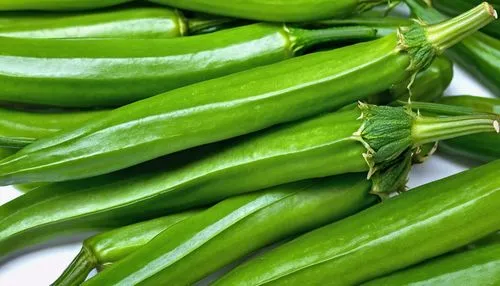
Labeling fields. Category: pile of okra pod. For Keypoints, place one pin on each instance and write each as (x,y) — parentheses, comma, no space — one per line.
(188,135)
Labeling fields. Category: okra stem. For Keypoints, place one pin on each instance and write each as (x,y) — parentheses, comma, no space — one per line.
(451,32)
(431,129)
(78,270)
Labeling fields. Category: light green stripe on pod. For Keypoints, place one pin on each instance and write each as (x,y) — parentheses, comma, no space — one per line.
(57,5)
(430,220)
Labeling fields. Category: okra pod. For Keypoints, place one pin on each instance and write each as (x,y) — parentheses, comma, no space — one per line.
(236,227)
(237,104)
(481,147)
(458,210)
(475,267)
(373,139)
(479,54)
(109,247)
(19,128)
(57,5)
(6,152)
(136,22)
(276,10)
(455,7)
(113,72)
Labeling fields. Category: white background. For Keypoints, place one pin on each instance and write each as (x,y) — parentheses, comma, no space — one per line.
(43,265)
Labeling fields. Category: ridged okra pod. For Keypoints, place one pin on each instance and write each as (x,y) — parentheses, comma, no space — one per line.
(458,210)
(57,5)
(133,22)
(369,139)
(235,227)
(113,72)
(237,104)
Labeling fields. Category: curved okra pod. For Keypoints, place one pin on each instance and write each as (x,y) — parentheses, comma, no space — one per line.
(475,267)
(235,227)
(479,54)
(114,245)
(57,5)
(459,210)
(276,10)
(237,104)
(482,147)
(135,22)
(373,139)
(19,128)
(112,72)
(455,7)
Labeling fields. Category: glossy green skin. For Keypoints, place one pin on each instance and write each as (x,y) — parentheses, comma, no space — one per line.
(375,242)
(19,128)
(57,5)
(274,10)
(236,105)
(482,147)
(455,7)
(138,22)
(236,227)
(202,176)
(114,245)
(478,267)
(98,72)
(479,53)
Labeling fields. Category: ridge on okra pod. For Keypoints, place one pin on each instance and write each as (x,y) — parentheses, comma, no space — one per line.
(378,141)
(283,92)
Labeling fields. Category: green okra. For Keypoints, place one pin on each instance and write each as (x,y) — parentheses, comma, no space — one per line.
(133,22)
(482,147)
(114,72)
(237,104)
(235,227)
(455,7)
(57,5)
(475,267)
(457,210)
(479,54)
(377,140)
(276,10)
(109,247)
(19,128)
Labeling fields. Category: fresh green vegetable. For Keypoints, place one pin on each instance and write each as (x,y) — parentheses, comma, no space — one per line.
(57,5)
(236,227)
(482,147)
(111,72)
(135,22)
(429,220)
(24,188)
(277,10)
(19,128)
(455,7)
(111,246)
(479,54)
(6,152)
(235,105)
(250,221)
(476,267)
(331,144)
